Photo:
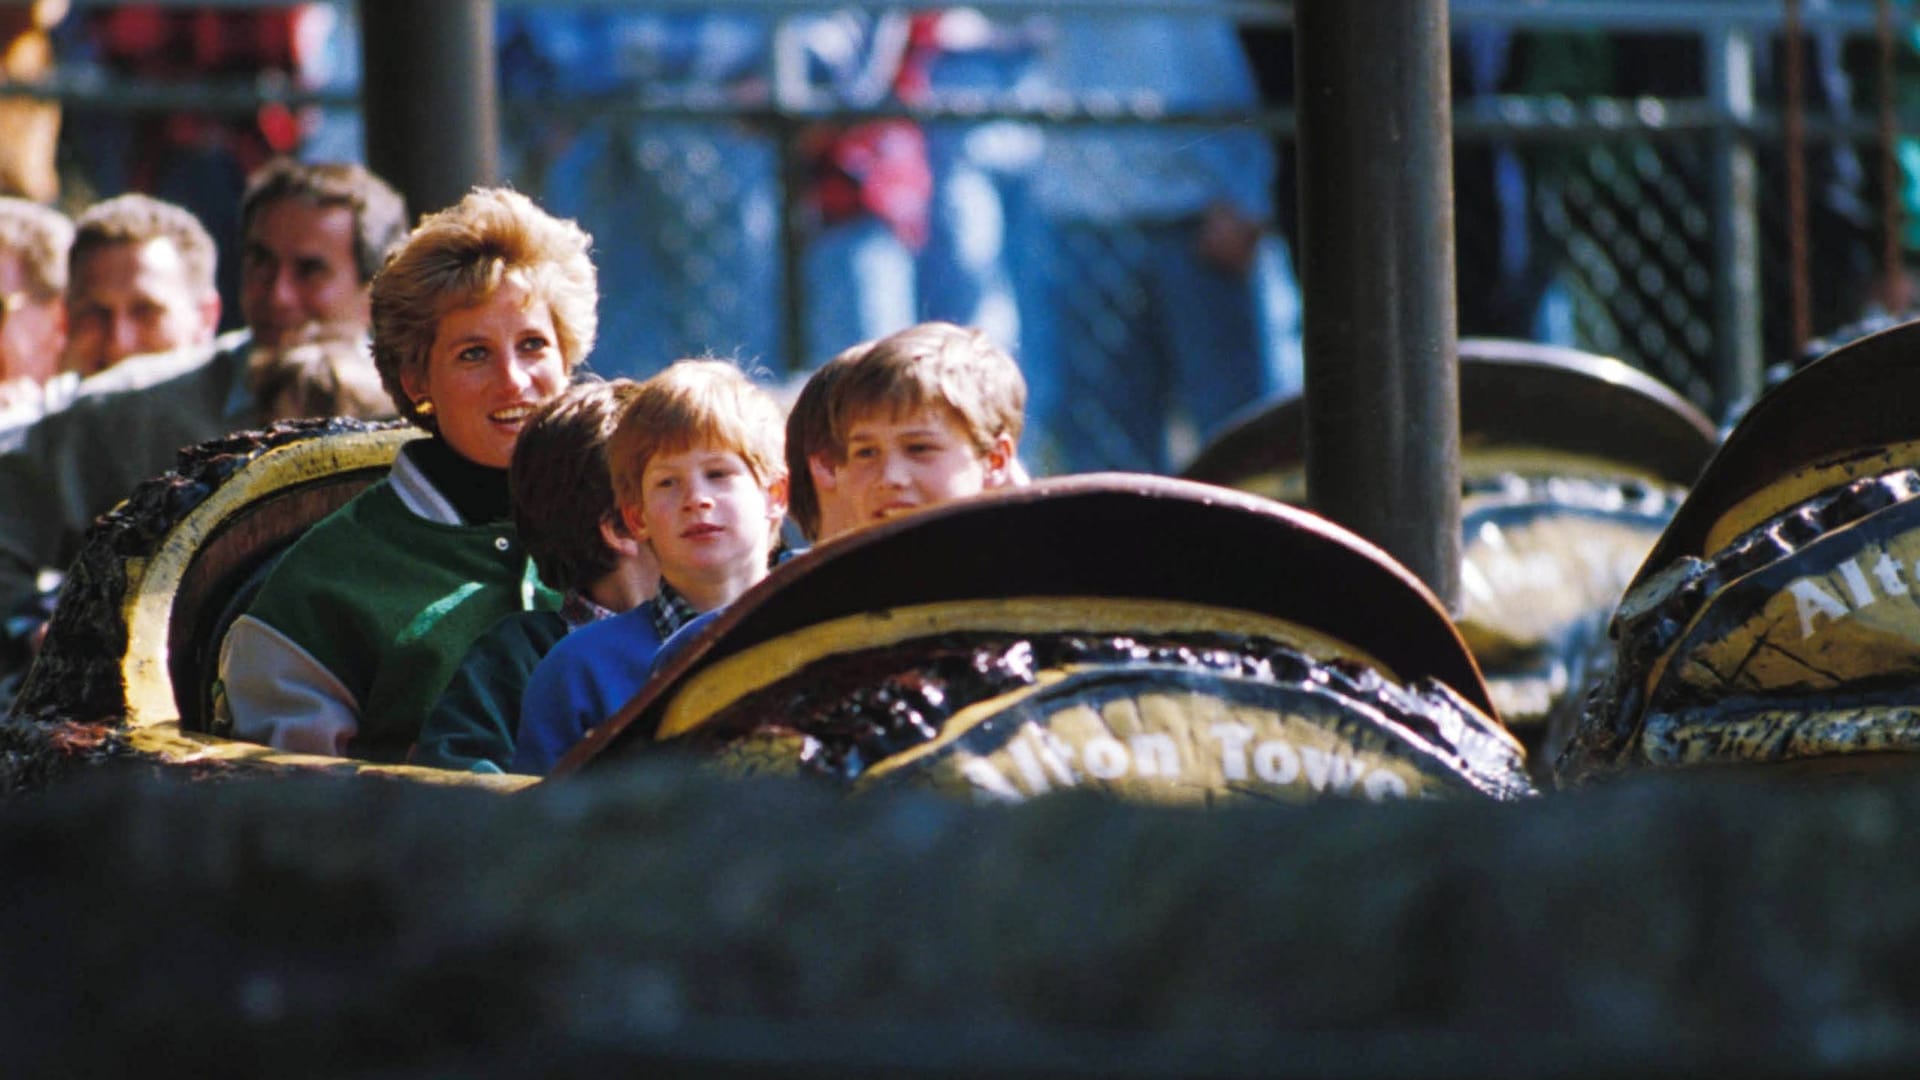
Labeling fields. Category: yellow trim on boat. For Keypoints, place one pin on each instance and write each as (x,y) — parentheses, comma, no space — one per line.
(1802,484)
(153,714)
(171,746)
(764,664)
(153,582)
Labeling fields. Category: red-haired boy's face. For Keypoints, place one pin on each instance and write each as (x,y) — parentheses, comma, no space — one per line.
(705,514)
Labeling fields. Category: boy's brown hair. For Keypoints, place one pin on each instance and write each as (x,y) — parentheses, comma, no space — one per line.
(560,485)
(695,403)
(810,432)
(933,363)
(325,370)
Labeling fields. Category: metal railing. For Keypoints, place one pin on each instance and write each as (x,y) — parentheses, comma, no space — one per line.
(1662,218)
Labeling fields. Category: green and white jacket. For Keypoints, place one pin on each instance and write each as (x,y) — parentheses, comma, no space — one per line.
(356,632)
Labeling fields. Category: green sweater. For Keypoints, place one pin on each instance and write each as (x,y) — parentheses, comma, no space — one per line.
(387,602)
(473,725)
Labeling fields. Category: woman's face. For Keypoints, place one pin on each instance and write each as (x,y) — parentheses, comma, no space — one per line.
(491,365)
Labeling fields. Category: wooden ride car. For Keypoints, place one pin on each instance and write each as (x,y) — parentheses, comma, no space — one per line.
(1145,637)
(129,657)
(1776,619)
(1571,465)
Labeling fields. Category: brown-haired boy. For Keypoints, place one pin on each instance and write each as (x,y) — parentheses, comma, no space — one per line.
(322,369)
(814,504)
(564,510)
(927,415)
(699,476)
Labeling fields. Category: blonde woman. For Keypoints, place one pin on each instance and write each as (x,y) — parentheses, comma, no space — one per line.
(478,319)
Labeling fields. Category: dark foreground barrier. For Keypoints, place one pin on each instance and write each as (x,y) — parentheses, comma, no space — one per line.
(655,919)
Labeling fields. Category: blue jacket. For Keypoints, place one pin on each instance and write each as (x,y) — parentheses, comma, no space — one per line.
(587,677)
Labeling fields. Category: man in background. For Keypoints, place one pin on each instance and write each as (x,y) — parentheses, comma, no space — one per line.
(33,313)
(313,235)
(140,281)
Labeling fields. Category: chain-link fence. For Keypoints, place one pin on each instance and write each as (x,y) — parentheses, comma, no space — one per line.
(1662,204)
(776,181)
(1621,184)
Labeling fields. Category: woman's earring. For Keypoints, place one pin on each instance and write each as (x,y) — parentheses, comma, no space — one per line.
(423,407)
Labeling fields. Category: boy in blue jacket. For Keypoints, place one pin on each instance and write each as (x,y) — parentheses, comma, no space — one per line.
(918,418)
(699,476)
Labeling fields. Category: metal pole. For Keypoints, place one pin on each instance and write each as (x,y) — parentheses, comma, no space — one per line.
(1898,296)
(1377,243)
(1795,147)
(793,277)
(432,117)
(1736,228)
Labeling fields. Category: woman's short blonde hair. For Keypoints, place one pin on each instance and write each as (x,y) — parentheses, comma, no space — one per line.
(457,258)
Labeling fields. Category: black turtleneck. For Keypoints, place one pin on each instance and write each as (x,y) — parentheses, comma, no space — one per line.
(478,493)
